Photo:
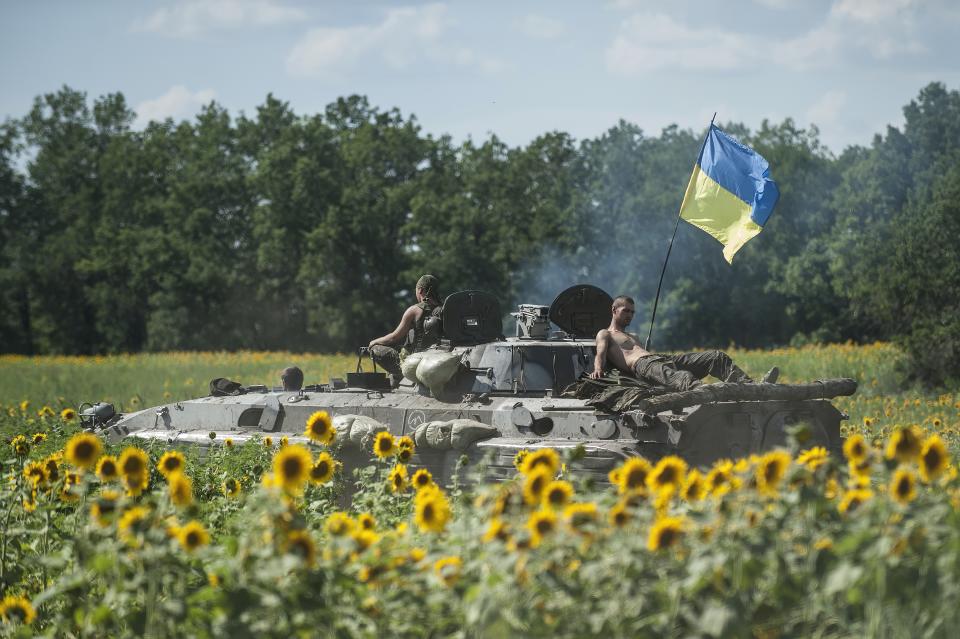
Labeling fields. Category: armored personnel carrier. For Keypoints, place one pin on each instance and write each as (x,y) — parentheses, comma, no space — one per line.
(481,394)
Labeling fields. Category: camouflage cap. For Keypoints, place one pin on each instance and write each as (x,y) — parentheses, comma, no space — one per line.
(428,283)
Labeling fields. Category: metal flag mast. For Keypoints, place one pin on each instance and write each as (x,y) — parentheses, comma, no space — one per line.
(656,299)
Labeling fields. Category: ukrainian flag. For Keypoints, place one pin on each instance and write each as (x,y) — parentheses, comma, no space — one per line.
(730,194)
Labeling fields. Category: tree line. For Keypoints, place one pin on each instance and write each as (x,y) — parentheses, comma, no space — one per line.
(307,232)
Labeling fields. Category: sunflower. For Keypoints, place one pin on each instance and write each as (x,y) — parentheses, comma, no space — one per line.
(540,524)
(614,476)
(534,483)
(231,487)
(291,466)
(83,449)
(933,458)
(17,609)
(770,471)
(579,516)
(107,468)
(320,428)
(339,524)
(45,412)
(52,464)
(68,414)
(405,442)
(543,457)
(856,448)
(38,438)
(133,462)
(694,487)
(448,570)
(557,494)
(20,446)
(421,479)
(24,405)
(852,499)
(363,539)
(496,529)
(180,489)
(131,524)
(384,445)
(813,458)
(619,515)
(431,510)
(904,445)
(903,486)
(366,521)
(171,462)
(228,442)
(519,457)
(70,491)
(104,508)
(665,532)
(284,441)
(192,535)
(135,484)
(667,474)
(268,442)
(300,543)
(36,473)
(397,479)
(322,470)
(633,474)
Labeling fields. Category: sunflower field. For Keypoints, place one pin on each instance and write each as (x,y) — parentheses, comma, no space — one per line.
(138,539)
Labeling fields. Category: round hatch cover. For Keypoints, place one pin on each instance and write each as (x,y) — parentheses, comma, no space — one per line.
(582,310)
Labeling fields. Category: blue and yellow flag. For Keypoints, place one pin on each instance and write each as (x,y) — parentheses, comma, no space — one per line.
(730,195)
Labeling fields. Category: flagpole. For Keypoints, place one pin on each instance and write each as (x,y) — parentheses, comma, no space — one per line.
(663,270)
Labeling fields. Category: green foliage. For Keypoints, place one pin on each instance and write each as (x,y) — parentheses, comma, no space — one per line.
(286,232)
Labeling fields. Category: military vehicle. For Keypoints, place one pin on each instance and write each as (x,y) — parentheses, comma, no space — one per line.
(481,394)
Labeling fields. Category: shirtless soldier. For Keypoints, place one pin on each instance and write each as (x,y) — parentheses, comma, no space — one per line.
(383,348)
(676,372)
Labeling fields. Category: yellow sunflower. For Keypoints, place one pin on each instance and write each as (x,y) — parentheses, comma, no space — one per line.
(52,464)
(534,484)
(540,524)
(557,494)
(669,473)
(384,445)
(104,508)
(580,516)
(68,414)
(404,453)
(284,441)
(38,438)
(133,461)
(17,609)
(853,499)
(135,484)
(71,487)
(694,487)
(541,458)
(619,515)
(107,468)
(813,458)
(83,450)
(903,486)
(406,442)
(904,445)
(421,479)
(614,476)
(36,473)
(431,510)
(192,535)
(228,442)
(366,521)
(320,428)
(633,474)
(856,448)
(363,539)
(448,569)
(300,543)
(322,470)
(770,471)
(291,466)
(397,479)
(934,458)
(20,446)
(498,530)
(131,524)
(339,524)
(268,442)
(171,462)
(665,532)
(180,489)
(231,487)
(519,457)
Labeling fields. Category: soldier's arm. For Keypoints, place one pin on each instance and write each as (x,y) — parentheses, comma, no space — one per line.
(603,342)
(400,332)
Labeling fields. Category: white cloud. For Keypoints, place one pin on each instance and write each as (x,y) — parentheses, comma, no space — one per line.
(540,27)
(404,37)
(826,110)
(177,103)
(189,18)
(650,42)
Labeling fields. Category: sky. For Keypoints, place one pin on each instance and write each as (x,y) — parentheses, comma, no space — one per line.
(515,69)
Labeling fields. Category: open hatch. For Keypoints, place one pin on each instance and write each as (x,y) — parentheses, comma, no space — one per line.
(582,311)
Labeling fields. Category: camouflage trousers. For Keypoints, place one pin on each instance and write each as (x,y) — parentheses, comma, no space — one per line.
(388,359)
(684,371)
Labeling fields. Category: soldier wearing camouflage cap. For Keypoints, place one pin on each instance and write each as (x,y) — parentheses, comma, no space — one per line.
(413,332)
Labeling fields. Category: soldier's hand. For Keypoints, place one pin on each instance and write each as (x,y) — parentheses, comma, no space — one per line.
(596,374)
(372,343)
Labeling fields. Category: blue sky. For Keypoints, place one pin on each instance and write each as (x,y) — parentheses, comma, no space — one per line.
(516,69)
